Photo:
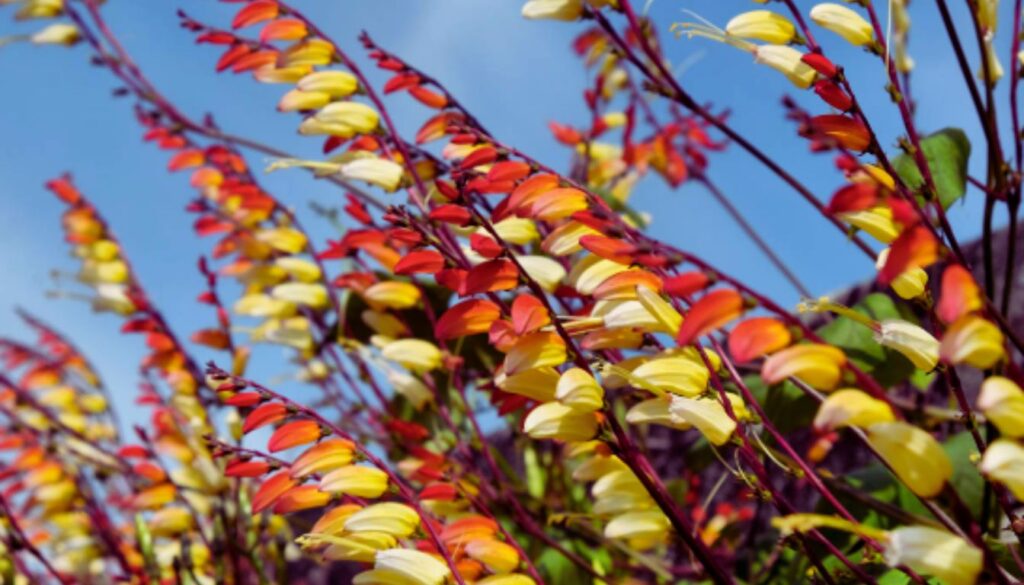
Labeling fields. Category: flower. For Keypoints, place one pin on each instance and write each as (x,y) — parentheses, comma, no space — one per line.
(579,390)
(844,22)
(850,407)
(416,354)
(355,480)
(708,415)
(913,454)
(762,25)
(383,173)
(816,364)
(555,420)
(974,341)
(788,61)
(1003,462)
(553,9)
(1002,401)
(934,552)
(336,84)
(57,34)
(391,518)
(406,566)
(916,344)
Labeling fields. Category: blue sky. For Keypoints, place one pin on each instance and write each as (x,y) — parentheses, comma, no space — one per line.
(57,114)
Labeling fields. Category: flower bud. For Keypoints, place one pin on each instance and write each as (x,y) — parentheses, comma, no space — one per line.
(708,415)
(57,34)
(553,9)
(579,390)
(383,173)
(851,408)
(555,420)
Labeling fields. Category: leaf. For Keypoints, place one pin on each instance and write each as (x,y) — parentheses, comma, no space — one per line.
(786,405)
(966,480)
(857,341)
(947,152)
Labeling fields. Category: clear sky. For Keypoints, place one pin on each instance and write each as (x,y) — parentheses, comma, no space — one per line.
(57,114)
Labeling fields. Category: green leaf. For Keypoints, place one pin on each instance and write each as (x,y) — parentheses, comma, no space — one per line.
(947,152)
(966,480)
(857,341)
(787,406)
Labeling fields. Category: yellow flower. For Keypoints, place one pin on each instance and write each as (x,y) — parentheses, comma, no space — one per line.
(788,61)
(301,293)
(916,344)
(851,408)
(876,221)
(537,384)
(392,294)
(678,374)
(355,480)
(844,22)
(934,552)
(336,84)
(1003,463)
(913,454)
(649,524)
(402,566)
(665,314)
(579,390)
(553,9)
(974,341)
(535,350)
(558,421)
(708,415)
(816,364)
(497,556)
(416,354)
(346,119)
(762,25)
(57,34)
(385,174)
(908,285)
(1002,401)
(297,100)
(545,271)
(655,411)
(391,518)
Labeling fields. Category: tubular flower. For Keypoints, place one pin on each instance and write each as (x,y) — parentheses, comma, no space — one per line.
(916,344)
(355,480)
(762,25)
(536,350)
(677,374)
(974,341)
(668,318)
(1003,462)
(758,336)
(657,411)
(57,34)
(913,454)
(1002,402)
(416,354)
(712,311)
(850,407)
(646,525)
(844,22)
(325,456)
(709,416)
(555,420)
(959,294)
(553,9)
(579,390)
(391,518)
(537,384)
(909,284)
(497,556)
(818,365)
(405,566)
(934,552)
(788,61)
(383,173)
(336,84)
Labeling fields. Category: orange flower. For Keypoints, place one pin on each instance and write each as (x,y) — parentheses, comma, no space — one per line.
(263,415)
(325,456)
(846,131)
(467,318)
(816,364)
(756,337)
(959,294)
(271,490)
(293,434)
(300,498)
(255,12)
(712,311)
(528,314)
